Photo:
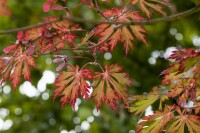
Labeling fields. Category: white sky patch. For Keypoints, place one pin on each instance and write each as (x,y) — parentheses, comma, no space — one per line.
(95,112)
(131,131)
(76,120)
(90,119)
(6,89)
(85,125)
(72,131)
(179,36)
(48,61)
(4,112)
(78,128)
(107,56)
(41,86)
(148,111)
(196,41)
(173,31)
(47,78)
(1,124)
(90,90)
(78,102)
(169,52)
(5,125)
(45,96)
(152,60)
(64,131)
(28,89)
(18,111)
(189,104)
(155,54)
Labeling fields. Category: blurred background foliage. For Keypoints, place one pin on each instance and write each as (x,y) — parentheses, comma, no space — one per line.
(30,108)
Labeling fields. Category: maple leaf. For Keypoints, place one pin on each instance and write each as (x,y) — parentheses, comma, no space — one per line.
(156,5)
(47,5)
(9,48)
(178,123)
(51,4)
(50,37)
(140,103)
(124,34)
(20,65)
(182,77)
(110,86)
(71,83)
(181,54)
(33,34)
(155,123)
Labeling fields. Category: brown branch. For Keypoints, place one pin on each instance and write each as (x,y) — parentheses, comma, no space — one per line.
(96,8)
(80,20)
(84,48)
(94,46)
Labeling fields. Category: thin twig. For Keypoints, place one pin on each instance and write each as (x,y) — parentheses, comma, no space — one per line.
(96,8)
(85,48)
(80,20)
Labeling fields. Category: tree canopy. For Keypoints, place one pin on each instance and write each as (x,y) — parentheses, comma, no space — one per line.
(99,66)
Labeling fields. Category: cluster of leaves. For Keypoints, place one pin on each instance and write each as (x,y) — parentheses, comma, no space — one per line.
(109,85)
(180,86)
(60,35)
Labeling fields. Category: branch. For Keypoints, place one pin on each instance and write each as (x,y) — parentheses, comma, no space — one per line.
(85,48)
(80,20)
(94,46)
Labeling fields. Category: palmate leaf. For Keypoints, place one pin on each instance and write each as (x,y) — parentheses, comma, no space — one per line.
(71,83)
(125,35)
(110,86)
(146,5)
(15,67)
(155,123)
(182,77)
(51,4)
(51,37)
(140,103)
(178,123)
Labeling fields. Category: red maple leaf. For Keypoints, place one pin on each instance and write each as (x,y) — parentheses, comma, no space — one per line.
(71,83)
(16,66)
(156,5)
(125,35)
(110,86)
(50,37)
(51,4)
(184,121)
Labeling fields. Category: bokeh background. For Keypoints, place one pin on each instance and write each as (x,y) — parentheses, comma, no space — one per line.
(30,108)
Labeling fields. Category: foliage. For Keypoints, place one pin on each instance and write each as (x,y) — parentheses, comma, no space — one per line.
(121,25)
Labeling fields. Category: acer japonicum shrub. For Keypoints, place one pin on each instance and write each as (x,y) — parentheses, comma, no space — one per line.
(67,38)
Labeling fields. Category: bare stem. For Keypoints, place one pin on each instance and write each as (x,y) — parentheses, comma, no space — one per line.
(96,8)
(80,20)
